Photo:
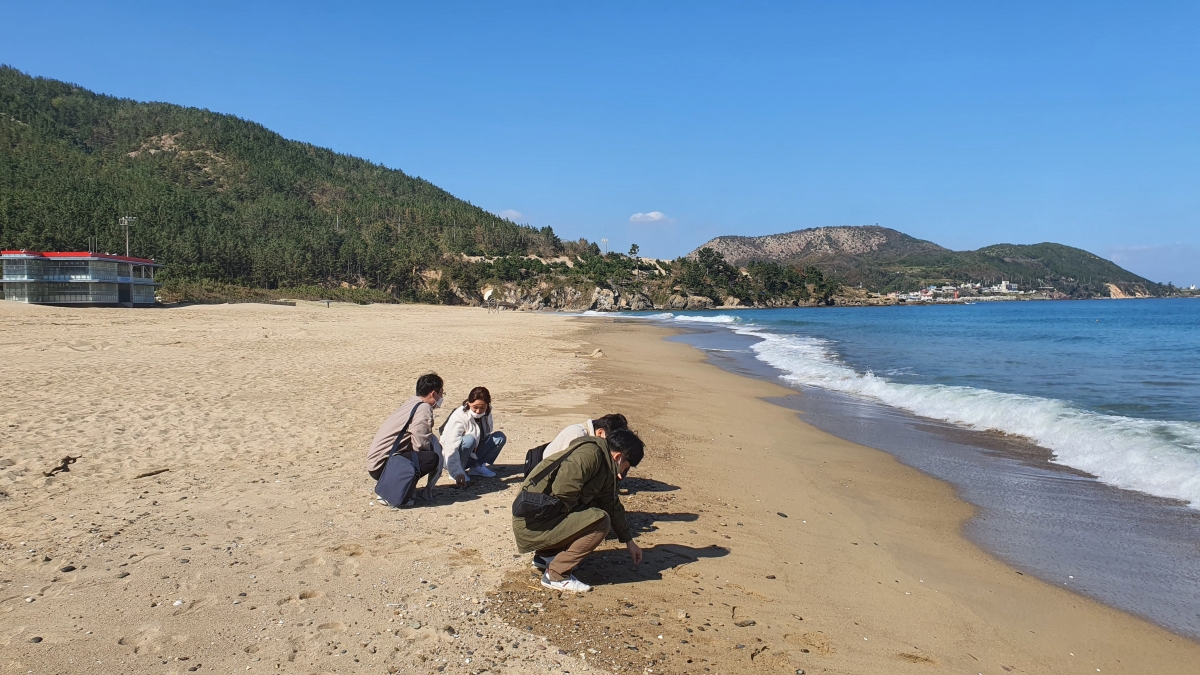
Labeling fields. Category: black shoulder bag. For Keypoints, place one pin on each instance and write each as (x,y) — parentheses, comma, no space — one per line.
(535,505)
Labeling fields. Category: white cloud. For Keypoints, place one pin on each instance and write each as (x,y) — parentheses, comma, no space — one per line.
(651,217)
(512,215)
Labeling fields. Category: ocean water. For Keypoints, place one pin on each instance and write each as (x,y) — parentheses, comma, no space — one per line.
(1110,388)
(1093,481)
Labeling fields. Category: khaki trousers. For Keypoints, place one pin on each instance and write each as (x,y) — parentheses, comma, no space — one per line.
(569,553)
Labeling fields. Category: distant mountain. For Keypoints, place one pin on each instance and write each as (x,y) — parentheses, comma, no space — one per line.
(804,246)
(885,260)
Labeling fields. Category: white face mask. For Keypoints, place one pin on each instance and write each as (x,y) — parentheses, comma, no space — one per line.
(438,403)
(476,415)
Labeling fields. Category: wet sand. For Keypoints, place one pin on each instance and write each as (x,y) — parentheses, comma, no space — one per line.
(771,546)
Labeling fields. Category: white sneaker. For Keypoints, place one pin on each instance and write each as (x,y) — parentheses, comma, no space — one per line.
(569,584)
(482,471)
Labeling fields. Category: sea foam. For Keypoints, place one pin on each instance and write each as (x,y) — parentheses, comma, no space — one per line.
(720,318)
(1160,458)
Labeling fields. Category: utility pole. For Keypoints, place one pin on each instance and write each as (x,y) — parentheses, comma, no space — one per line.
(605,242)
(127,221)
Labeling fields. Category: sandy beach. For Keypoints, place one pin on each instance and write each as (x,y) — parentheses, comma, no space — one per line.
(771,547)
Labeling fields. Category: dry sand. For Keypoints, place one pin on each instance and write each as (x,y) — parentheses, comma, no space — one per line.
(261,548)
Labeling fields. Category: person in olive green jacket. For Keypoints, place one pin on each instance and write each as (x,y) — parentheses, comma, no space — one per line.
(586,483)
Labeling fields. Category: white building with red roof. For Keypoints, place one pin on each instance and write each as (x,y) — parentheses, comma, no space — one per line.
(58,278)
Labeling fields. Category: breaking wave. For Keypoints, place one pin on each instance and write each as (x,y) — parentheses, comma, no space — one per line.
(686,318)
(1160,458)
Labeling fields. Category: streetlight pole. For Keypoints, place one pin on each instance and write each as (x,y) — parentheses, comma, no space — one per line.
(126,221)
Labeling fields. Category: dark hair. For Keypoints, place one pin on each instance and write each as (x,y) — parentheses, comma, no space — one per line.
(611,422)
(478,394)
(628,444)
(427,384)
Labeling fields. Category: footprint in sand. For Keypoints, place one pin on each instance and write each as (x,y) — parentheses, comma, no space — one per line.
(815,642)
(301,599)
(86,346)
(151,641)
(316,561)
(349,549)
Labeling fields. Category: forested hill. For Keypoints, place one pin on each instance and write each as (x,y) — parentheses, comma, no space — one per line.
(883,260)
(223,198)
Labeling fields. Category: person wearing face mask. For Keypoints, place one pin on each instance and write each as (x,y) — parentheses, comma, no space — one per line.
(469,440)
(418,433)
(584,481)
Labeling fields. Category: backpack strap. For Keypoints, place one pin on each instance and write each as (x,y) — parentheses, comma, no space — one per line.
(553,465)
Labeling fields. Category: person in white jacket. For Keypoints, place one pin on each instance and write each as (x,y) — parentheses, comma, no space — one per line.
(597,427)
(469,440)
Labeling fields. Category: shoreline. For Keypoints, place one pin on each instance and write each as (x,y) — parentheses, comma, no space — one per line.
(262,549)
(914,524)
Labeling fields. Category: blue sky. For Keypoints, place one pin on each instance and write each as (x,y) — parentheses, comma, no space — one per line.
(962,123)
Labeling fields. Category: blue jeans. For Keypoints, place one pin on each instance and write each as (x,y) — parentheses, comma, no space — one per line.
(484,455)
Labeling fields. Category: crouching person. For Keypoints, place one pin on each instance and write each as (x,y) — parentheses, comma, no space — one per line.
(409,430)
(584,480)
(598,427)
(469,440)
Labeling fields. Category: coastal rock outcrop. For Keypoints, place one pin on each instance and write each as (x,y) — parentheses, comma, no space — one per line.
(604,300)
(639,302)
(467,296)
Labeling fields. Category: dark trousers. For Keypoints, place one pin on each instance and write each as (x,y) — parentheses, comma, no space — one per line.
(427,459)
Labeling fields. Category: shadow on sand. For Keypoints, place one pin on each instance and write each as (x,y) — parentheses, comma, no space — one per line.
(614,566)
(633,485)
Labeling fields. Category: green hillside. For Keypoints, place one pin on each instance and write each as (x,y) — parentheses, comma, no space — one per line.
(1068,270)
(885,260)
(223,198)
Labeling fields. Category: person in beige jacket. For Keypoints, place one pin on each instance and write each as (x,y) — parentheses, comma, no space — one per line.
(420,432)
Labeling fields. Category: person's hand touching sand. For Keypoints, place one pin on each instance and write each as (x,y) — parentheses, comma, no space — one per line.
(635,552)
